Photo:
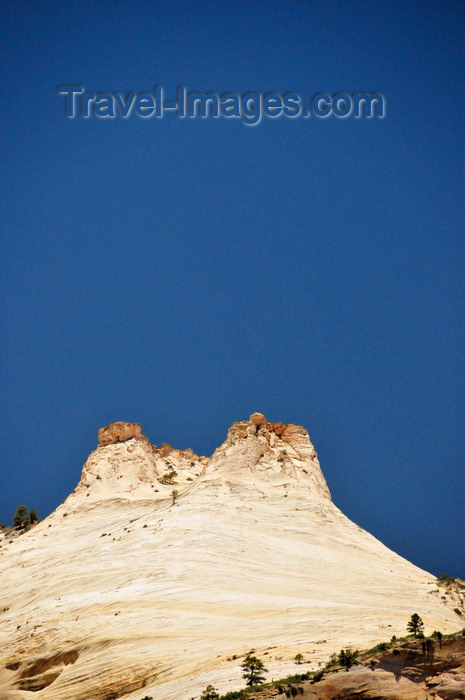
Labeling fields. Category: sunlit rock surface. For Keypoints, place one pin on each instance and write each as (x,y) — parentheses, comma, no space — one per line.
(145,582)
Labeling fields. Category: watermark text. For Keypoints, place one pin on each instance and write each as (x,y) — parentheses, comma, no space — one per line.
(250,107)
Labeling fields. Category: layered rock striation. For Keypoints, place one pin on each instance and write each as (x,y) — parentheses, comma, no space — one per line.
(162,566)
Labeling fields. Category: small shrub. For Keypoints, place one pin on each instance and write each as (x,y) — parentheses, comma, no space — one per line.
(333,661)
(445,578)
(382,646)
(298,658)
(168,478)
(295,678)
(347,658)
(210,693)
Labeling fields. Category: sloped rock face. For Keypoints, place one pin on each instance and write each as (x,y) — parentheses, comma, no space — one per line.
(271,457)
(126,591)
(134,469)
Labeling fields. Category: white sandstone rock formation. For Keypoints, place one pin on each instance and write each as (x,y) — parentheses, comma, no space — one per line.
(129,590)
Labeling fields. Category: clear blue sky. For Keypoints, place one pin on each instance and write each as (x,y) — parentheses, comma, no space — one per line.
(185,273)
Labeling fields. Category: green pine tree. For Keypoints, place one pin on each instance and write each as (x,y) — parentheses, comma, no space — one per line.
(20,516)
(33,517)
(415,625)
(253,669)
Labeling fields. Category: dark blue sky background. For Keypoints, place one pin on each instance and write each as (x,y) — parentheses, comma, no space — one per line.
(185,273)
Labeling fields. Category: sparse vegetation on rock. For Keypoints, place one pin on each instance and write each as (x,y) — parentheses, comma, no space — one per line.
(411,655)
(210,693)
(169,477)
(347,658)
(23,519)
(20,516)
